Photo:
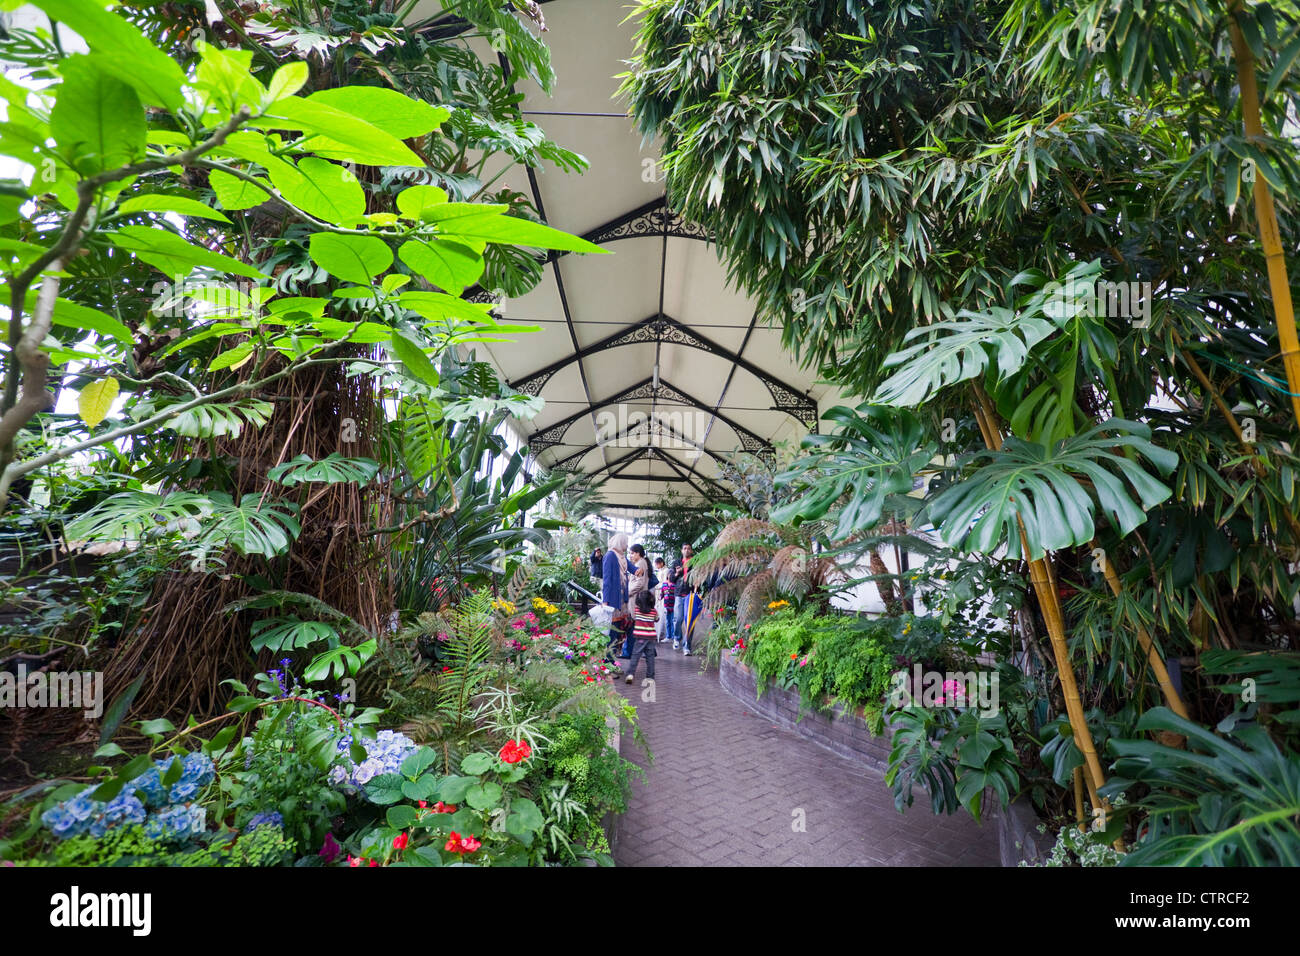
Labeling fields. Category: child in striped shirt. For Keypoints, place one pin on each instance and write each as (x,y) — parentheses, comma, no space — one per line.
(643,635)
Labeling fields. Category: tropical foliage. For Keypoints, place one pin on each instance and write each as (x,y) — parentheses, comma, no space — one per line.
(1023,230)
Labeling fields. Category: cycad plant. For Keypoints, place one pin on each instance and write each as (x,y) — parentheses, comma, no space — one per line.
(755,562)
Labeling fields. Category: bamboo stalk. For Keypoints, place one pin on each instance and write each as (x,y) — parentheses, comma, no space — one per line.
(1041,576)
(1269,236)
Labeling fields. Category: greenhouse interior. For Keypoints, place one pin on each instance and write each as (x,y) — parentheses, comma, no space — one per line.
(650,433)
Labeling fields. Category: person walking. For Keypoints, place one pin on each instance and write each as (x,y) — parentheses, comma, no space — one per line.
(638,581)
(613,593)
(692,608)
(681,567)
(643,636)
(667,597)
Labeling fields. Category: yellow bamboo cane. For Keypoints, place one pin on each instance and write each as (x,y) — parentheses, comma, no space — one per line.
(1040,574)
(1269,237)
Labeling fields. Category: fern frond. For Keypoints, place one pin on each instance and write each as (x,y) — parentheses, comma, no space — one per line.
(754,599)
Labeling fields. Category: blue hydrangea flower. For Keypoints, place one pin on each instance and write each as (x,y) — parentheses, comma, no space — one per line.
(384,754)
(82,814)
(271,819)
(176,823)
(197,771)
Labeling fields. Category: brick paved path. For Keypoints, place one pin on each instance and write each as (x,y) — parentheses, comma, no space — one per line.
(725,785)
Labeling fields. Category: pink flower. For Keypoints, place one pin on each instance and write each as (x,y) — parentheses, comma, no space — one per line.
(953,691)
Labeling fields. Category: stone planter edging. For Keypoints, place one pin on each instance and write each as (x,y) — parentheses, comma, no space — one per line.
(839,731)
(846,734)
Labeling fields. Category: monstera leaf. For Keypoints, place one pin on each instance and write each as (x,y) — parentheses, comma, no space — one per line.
(944,353)
(332,469)
(1223,801)
(1044,490)
(872,456)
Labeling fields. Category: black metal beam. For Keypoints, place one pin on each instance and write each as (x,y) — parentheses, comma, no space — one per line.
(654,453)
(647,221)
(619,437)
(688,477)
(555,265)
(553,435)
(663,328)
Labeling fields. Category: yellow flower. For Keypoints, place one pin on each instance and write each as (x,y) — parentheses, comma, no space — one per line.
(504,606)
(776,604)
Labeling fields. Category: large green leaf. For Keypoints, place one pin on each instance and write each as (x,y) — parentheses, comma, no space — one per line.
(332,469)
(217,420)
(97,121)
(873,455)
(1217,802)
(944,353)
(158,202)
(1026,483)
(438,306)
(234,193)
(336,134)
(251,527)
(322,189)
(173,256)
(74,316)
(448,265)
(490,224)
(395,113)
(279,634)
(353,258)
(121,50)
(413,357)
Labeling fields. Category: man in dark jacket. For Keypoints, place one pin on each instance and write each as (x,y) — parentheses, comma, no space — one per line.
(613,592)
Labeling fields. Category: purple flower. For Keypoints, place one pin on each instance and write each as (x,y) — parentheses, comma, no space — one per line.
(330,849)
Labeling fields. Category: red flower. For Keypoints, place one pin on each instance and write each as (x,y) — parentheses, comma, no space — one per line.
(400,841)
(423,804)
(354,860)
(445,669)
(374,862)
(459,844)
(515,751)
(441,807)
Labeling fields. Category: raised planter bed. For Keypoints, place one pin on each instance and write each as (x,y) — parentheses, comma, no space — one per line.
(846,733)
(839,730)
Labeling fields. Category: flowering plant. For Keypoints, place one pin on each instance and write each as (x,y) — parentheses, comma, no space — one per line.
(383,755)
(169,788)
(478,818)
(514,751)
